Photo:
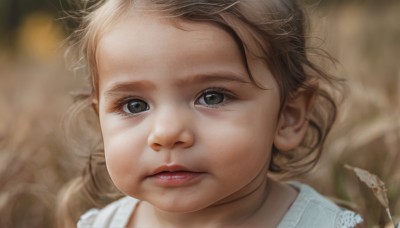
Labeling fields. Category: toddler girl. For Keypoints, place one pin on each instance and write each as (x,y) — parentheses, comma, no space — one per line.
(200,103)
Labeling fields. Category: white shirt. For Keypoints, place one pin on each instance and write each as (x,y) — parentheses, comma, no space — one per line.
(309,210)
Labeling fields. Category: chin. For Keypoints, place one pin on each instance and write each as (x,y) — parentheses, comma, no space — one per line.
(181,205)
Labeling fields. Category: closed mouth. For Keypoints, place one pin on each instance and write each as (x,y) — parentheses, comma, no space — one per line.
(170,169)
(174,176)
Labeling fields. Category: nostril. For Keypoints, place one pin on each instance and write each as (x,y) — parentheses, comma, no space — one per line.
(156,146)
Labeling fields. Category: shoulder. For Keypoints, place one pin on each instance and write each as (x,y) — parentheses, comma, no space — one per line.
(310,209)
(116,214)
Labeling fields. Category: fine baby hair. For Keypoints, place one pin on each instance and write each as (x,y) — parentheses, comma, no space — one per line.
(265,40)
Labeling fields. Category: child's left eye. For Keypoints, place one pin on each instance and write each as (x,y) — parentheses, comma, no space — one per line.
(213,97)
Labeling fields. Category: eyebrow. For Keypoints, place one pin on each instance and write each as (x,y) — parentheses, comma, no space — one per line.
(140,85)
(212,77)
(124,87)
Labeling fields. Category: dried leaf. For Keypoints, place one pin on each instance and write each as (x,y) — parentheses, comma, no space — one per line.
(375,184)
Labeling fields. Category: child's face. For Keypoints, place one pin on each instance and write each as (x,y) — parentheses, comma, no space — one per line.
(183,127)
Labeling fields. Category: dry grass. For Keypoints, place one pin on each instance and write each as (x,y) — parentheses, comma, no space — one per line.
(367,44)
(35,160)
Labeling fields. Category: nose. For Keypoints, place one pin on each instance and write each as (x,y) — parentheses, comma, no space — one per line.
(169,131)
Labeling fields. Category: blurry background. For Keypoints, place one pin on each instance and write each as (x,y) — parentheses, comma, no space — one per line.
(35,86)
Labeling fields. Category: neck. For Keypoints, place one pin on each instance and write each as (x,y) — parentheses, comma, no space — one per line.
(257,206)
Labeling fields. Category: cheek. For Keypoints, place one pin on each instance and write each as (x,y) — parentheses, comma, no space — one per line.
(122,147)
(241,148)
(243,144)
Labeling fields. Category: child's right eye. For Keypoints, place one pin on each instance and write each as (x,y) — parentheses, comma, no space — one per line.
(135,106)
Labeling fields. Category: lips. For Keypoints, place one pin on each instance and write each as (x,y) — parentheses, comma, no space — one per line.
(170,168)
(174,176)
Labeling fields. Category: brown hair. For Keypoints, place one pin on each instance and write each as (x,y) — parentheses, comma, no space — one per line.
(274,30)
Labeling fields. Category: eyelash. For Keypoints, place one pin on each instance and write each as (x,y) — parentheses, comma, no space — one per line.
(228,96)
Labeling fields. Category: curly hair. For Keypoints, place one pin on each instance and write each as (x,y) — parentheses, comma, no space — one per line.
(273,30)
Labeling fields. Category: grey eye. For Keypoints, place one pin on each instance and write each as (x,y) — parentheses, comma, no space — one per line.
(135,106)
(211,98)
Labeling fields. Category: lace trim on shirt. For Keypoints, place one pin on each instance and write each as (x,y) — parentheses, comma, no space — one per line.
(348,219)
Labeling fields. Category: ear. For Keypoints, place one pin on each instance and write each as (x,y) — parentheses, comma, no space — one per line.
(95,105)
(293,121)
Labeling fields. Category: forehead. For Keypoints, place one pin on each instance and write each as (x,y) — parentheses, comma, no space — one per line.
(149,30)
(139,41)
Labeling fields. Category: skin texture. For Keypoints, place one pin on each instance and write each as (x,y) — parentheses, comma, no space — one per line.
(169,70)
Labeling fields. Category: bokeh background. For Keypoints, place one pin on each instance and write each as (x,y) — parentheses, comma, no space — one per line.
(36,159)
